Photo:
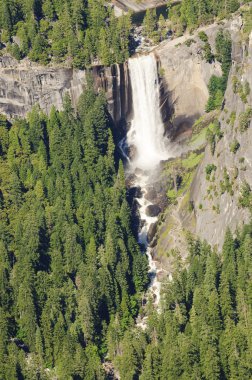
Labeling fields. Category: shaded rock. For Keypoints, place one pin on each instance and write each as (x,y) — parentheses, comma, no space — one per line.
(153,243)
(141,224)
(152,210)
(157,194)
(151,194)
(25,83)
(152,231)
(134,192)
(131,152)
(130,180)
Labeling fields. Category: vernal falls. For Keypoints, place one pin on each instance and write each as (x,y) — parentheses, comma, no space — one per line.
(146,139)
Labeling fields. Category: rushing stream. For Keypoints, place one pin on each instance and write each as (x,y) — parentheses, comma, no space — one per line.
(146,139)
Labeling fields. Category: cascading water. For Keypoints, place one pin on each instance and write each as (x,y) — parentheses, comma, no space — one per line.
(146,138)
(147,131)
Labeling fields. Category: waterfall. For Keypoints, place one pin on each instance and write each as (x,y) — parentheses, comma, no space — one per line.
(149,146)
(146,134)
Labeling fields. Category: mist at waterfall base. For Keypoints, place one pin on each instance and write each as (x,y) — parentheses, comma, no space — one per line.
(150,147)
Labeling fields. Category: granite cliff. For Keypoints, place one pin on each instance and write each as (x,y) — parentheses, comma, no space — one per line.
(218,207)
(213,202)
(23,84)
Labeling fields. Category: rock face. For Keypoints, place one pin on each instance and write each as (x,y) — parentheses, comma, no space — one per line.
(137,6)
(152,231)
(152,210)
(215,207)
(23,84)
(183,87)
(185,75)
(218,209)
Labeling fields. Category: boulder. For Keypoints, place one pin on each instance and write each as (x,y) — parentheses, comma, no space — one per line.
(130,180)
(134,192)
(152,210)
(152,231)
(151,194)
(131,152)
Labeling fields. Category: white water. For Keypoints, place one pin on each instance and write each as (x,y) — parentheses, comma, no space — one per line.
(146,135)
(147,131)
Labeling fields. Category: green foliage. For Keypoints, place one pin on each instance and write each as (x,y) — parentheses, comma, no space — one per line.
(14,50)
(245,119)
(150,25)
(247,17)
(225,184)
(213,135)
(193,13)
(69,260)
(242,89)
(208,55)
(216,92)
(179,173)
(245,200)
(217,85)
(49,30)
(209,169)
(206,314)
(203,36)
(189,42)
(232,118)
(234,146)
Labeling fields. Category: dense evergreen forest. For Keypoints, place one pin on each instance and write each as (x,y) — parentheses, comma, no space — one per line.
(70,267)
(72,274)
(86,32)
(78,30)
(204,330)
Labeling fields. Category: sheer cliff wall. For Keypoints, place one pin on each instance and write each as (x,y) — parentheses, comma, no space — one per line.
(23,84)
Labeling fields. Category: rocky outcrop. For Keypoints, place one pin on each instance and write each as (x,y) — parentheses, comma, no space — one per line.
(23,84)
(152,210)
(136,5)
(216,206)
(212,204)
(151,232)
(184,77)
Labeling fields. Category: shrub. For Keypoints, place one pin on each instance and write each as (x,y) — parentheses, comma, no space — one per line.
(209,169)
(208,55)
(211,140)
(14,50)
(226,184)
(236,85)
(234,146)
(214,134)
(244,119)
(203,36)
(232,118)
(245,199)
(217,85)
(246,88)
(189,42)
(242,90)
